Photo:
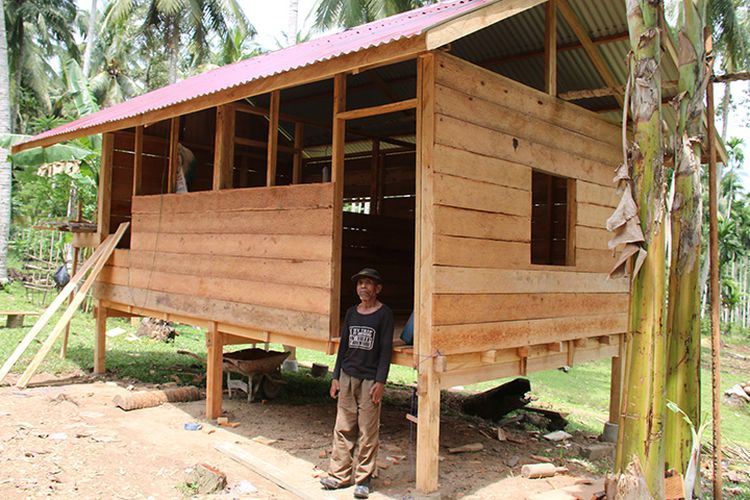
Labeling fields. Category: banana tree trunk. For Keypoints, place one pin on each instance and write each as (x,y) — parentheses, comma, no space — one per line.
(5,169)
(641,421)
(683,312)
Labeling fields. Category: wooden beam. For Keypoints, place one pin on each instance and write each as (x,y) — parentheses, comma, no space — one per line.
(104,194)
(224,147)
(574,95)
(554,347)
(138,161)
(428,430)
(550,47)
(174,153)
(615,390)
(100,339)
(593,52)
(214,363)
(383,109)
(461,26)
(375,178)
(338,136)
(273,138)
(382,55)
(489,356)
(731,77)
(299,144)
(254,143)
(523,56)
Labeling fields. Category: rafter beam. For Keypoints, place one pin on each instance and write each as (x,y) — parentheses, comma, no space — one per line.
(588,45)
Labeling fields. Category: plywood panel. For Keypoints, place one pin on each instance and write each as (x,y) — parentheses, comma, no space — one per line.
(291,297)
(487,225)
(241,314)
(484,336)
(283,246)
(291,272)
(485,112)
(470,165)
(476,81)
(473,252)
(468,136)
(466,280)
(466,193)
(457,309)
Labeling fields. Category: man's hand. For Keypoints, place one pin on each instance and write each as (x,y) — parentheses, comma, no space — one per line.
(334,388)
(376,393)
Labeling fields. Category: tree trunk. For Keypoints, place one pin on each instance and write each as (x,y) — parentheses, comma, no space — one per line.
(172,46)
(5,168)
(641,421)
(291,36)
(90,39)
(683,312)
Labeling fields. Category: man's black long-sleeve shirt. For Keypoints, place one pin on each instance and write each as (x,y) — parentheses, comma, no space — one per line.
(366,344)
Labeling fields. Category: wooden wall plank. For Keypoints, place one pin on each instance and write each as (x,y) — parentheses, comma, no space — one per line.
(473,252)
(466,280)
(593,215)
(242,314)
(592,238)
(596,194)
(457,309)
(466,193)
(453,221)
(289,271)
(462,163)
(504,334)
(271,198)
(282,246)
(295,221)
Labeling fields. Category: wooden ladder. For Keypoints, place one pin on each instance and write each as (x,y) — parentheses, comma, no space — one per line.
(95,263)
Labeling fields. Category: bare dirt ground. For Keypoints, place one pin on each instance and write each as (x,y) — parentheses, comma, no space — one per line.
(68,440)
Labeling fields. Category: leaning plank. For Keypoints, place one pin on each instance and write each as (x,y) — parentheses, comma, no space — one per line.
(45,317)
(109,246)
(265,469)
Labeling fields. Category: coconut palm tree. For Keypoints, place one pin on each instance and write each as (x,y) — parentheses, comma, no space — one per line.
(5,172)
(37,30)
(349,13)
(171,20)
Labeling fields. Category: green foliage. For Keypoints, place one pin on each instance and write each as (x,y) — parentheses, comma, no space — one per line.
(347,13)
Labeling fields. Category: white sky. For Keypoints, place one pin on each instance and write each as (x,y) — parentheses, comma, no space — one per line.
(271,19)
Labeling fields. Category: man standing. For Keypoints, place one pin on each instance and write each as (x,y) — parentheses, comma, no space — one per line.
(359,377)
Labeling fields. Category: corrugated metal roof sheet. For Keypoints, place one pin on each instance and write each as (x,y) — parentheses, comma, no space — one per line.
(385,31)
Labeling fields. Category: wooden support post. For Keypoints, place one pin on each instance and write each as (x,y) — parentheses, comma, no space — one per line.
(428,430)
(299,144)
(571,352)
(550,48)
(214,362)
(615,387)
(570,251)
(273,138)
(138,161)
(714,275)
(100,342)
(375,178)
(224,147)
(174,153)
(104,195)
(66,335)
(337,177)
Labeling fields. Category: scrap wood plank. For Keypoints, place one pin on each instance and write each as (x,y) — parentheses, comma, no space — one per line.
(45,317)
(109,247)
(265,469)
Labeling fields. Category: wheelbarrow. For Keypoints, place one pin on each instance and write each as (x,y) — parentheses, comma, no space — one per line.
(262,369)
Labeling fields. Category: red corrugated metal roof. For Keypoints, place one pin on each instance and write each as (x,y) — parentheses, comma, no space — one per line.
(401,26)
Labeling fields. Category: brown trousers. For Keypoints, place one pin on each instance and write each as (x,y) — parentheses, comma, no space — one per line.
(357,423)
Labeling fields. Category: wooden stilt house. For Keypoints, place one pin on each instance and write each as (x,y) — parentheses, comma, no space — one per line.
(436,145)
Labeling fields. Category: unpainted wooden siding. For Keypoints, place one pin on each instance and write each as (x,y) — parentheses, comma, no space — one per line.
(258,258)
(490,133)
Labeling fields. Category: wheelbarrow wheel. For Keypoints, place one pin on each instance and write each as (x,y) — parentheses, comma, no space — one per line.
(272,386)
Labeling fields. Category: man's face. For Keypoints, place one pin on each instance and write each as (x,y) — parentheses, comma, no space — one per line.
(368,289)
